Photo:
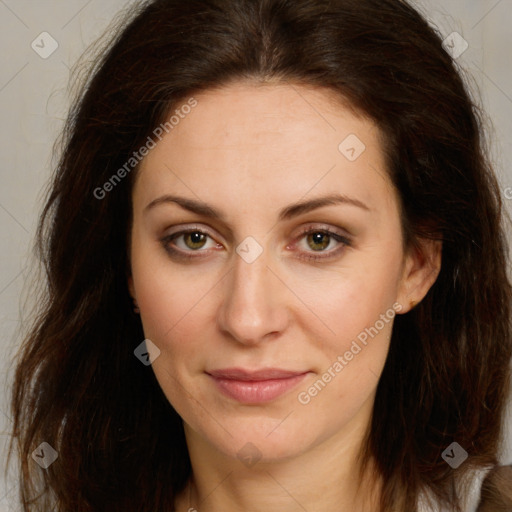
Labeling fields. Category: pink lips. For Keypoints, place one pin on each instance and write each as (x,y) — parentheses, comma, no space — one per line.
(255,386)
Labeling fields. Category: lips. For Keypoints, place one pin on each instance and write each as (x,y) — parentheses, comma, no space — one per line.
(253,375)
(255,386)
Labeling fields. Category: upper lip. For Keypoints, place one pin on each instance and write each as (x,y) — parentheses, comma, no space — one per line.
(254,375)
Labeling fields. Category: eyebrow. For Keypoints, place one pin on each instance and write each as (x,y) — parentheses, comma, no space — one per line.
(287,213)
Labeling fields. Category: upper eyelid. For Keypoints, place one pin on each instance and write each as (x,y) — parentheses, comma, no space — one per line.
(321,226)
(312,228)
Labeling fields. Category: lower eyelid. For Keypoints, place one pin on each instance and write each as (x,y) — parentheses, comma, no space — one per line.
(341,240)
(342,243)
(171,247)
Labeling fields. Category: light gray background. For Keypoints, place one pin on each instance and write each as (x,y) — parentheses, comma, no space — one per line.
(34,99)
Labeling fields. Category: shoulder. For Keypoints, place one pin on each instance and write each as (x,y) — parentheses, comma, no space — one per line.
(496,494)
(482,489)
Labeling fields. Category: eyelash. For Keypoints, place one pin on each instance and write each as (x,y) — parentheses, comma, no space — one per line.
(179,254)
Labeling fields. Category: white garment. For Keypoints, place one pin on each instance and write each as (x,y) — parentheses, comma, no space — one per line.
(471,499)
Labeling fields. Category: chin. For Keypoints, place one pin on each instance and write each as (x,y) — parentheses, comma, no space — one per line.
(267,441)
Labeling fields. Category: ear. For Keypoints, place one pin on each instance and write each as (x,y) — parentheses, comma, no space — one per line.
(421,267)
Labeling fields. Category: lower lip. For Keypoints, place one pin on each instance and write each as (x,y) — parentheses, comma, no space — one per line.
(254,392)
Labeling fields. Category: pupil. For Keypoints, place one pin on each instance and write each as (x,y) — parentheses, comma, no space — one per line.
(319,239)
(195,240)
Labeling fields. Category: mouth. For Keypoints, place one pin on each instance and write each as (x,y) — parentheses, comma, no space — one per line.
(255,386)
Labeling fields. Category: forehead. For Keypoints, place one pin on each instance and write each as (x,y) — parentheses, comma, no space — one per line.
(291,138)
(250,114)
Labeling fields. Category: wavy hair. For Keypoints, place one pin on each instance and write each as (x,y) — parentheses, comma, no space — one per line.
(78,386)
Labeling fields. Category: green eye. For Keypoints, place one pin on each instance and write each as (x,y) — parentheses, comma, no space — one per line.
(319,239)
(197,239)
(193,240)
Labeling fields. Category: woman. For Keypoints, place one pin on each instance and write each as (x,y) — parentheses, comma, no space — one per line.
(276,272)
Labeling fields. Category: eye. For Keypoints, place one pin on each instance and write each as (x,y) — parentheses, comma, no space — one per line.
(318,239)
(189,243)
(193,240)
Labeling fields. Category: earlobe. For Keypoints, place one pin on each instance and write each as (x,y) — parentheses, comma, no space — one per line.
(421,268)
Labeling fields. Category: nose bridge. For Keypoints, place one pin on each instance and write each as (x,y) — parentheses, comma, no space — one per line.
(253,306)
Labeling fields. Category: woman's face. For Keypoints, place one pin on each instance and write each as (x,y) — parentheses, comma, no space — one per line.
(268,335)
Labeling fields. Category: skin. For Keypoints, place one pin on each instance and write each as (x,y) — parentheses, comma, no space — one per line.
(250,151)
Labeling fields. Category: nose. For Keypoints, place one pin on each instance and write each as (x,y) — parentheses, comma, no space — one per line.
(254,308)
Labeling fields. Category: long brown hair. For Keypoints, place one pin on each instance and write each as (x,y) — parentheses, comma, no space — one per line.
(78,386)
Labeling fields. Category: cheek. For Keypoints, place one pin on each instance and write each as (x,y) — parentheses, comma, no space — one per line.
(359,298)
(167,295)
(362,319)
(353,359)
(173,317)
(359,311)
(173,313)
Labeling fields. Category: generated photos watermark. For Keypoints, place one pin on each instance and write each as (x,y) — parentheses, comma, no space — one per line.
(305,397)
(454,455)
(45,455)
(137,156)
(147,352)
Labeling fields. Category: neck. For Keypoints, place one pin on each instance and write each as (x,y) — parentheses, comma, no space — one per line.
(323,479)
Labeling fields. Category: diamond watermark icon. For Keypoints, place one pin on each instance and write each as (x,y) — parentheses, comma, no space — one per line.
(352,147)
(249,454)
(45,455)
(455,455)
(249,250)
(44,45)
(147,352)
(455,45)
